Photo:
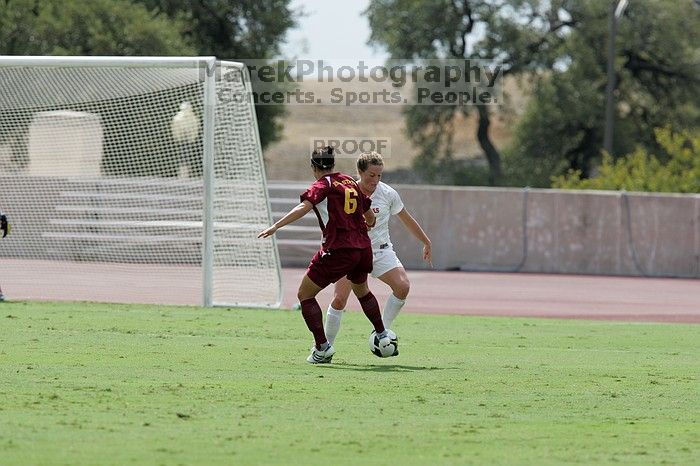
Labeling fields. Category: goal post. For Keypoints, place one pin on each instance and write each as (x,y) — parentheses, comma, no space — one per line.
(134,179)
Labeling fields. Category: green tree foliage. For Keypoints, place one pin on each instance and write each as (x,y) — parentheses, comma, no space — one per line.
(658,84)
(518,35)
(560,45)
(237,30)
(97,27)
(415,29)
(676,169)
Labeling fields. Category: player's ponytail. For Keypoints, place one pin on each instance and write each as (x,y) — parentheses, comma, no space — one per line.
(323,159)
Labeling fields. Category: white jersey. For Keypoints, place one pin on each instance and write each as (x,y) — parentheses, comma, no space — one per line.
(385,203)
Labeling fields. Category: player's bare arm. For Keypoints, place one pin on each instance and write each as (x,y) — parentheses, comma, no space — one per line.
(370,218)
(292,216)
(414,227)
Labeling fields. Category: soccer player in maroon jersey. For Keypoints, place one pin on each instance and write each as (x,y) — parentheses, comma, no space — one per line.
(346,251)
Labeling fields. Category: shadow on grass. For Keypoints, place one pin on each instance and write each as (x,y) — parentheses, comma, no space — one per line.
(383,368)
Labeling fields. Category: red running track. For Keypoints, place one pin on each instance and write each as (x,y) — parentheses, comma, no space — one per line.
(537,295)
(464,293)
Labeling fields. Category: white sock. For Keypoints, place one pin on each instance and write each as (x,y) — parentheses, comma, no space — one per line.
(391,309)
(332,327)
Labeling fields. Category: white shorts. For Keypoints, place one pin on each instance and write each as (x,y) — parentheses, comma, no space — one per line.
(385,260)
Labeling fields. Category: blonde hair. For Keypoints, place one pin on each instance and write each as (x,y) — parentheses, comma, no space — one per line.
(369,158)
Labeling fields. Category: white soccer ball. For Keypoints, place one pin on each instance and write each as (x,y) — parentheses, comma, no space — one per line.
(385,347)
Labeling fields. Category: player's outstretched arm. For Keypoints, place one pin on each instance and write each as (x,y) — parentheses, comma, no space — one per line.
(292,216)
(416,230)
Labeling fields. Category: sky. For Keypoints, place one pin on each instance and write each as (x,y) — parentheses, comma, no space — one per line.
(331,29)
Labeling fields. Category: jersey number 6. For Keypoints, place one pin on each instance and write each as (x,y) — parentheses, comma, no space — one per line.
(350,201)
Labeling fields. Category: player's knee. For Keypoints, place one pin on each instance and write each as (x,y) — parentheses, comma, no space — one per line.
(303,295)
(360,290)
(401,289)
(339,302)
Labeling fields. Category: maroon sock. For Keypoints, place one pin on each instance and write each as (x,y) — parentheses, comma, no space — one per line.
(370,307)
(313,317)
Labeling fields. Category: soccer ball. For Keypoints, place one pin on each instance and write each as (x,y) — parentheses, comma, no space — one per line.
(386,347)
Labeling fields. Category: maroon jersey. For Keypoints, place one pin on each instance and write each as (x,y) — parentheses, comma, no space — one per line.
(339,205)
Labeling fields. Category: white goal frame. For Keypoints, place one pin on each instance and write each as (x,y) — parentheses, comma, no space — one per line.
(208,67)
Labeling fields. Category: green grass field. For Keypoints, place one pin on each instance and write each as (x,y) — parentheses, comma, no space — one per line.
(89,384)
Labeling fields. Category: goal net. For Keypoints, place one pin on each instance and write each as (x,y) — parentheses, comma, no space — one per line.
(133,180)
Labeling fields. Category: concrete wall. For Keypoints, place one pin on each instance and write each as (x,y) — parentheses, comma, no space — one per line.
(549,231)
(582,232)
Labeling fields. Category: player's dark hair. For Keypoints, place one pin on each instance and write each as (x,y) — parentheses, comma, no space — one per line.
(323,158)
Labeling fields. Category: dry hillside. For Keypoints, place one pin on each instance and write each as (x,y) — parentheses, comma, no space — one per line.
(286,159)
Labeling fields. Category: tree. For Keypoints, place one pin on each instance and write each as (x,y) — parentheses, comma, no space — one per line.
(244,29)
(98,27)
(516,34)
(658,79)
(561,46)
(676,170)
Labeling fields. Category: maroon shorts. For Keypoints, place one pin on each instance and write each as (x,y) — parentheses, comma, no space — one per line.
(328,267)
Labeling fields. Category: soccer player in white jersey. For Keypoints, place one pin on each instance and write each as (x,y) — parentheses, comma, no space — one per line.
(387,266)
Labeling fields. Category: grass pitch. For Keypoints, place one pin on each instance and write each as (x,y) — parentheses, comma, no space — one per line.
(87,383)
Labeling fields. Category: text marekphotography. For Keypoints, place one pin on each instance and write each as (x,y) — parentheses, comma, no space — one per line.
(366,82)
